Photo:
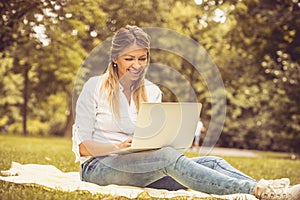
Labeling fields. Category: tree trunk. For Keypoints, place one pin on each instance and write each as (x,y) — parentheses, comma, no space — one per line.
(70,120)
(25,99)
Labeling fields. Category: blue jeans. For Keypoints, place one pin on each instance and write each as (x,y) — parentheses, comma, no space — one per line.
(167,168)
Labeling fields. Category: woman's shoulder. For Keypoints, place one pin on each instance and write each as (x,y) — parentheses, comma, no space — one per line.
(93,81)
(153,91)
(151,86)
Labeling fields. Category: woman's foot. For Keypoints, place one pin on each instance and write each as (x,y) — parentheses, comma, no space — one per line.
(277,190)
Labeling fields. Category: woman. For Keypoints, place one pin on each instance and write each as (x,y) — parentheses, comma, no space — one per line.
(106,113)
(200,128)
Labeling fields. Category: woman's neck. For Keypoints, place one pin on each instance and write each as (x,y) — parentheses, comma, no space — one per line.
(126,84)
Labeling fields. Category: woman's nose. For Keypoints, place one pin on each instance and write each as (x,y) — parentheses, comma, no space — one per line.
(136,64)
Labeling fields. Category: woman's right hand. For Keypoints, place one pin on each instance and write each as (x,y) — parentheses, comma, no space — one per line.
(93,148)
(124,144)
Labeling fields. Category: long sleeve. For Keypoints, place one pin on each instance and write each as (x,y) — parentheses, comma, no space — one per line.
(85,115)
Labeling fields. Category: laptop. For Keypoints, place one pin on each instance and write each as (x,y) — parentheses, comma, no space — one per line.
(164,124)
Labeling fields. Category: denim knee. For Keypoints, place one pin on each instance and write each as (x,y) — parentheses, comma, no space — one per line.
(210,161)
(169,152)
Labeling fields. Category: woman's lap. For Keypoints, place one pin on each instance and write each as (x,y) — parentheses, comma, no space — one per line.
(138,169)
(168,169)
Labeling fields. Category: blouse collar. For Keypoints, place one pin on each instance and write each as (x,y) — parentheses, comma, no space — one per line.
(121,87)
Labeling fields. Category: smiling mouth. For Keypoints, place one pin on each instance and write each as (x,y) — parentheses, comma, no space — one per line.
(137,72)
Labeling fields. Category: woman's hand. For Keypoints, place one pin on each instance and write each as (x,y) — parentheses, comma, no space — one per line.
(126,143)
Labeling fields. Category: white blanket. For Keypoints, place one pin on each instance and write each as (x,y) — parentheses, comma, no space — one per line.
(50,176)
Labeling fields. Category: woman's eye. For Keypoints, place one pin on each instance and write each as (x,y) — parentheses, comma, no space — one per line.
(128,59)
(143,59)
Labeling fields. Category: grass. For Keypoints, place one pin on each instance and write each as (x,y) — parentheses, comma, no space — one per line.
(57,152)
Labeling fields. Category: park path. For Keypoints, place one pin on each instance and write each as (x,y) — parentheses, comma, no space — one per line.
(219,151)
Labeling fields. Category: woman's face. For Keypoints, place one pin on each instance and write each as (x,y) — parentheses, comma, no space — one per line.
(132,62)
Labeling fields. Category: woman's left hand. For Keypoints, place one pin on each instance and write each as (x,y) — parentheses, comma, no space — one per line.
(124,144)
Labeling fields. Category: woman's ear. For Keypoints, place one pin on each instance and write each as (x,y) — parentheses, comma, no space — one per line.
(114,64)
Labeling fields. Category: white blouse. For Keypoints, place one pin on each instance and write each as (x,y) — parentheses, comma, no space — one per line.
(94,119)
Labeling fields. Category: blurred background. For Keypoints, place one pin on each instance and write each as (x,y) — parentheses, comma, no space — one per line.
(254,43)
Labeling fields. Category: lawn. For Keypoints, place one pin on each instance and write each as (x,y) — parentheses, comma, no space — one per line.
(57,152)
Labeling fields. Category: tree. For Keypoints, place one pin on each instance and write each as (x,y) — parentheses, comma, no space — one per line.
(253,44)
(24,41)
(262,90)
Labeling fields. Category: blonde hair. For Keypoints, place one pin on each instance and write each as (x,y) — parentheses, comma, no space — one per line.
(125,37)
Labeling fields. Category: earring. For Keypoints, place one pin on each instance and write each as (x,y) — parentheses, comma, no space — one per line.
(115,65)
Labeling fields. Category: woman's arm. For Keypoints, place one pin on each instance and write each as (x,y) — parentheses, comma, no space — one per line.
(93,148)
